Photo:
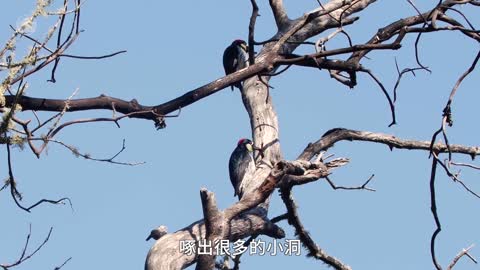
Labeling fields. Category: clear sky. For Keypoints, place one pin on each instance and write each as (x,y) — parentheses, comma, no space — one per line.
(175,46)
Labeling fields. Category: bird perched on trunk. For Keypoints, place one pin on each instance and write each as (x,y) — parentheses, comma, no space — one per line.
(241,164)
(235,57)
(157,233)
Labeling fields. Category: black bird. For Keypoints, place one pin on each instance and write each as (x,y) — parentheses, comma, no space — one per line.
(235,57)
(241,164)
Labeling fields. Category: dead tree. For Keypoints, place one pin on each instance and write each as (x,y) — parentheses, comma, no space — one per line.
(249,216)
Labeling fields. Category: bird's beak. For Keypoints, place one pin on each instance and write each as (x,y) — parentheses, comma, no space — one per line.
(249,147)
(244,47)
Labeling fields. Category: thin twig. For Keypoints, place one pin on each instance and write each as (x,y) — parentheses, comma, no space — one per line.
(23,256)
(389,99)
(362,187)
(463,252)
(14,192)
(433,208)
(314,250)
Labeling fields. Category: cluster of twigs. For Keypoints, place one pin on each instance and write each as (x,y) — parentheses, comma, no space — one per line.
(24,256)
(17,131)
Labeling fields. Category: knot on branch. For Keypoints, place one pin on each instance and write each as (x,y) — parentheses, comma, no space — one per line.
(134,103)
(160,123)
(447,114)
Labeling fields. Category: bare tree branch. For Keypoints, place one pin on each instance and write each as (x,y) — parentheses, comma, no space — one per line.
(16,195)
(63,264)
(362,187)
(433,208)
(23,256)
(339,134)
(214,228)
(251,33)
(314,250)
(462,253)
(279,13)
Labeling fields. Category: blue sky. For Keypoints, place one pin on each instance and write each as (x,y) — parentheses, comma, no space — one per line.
(175,46)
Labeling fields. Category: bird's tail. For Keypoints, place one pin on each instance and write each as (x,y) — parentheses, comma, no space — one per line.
(239,86)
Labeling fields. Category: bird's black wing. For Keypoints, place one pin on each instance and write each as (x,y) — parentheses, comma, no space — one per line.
(230,61)
(238,165)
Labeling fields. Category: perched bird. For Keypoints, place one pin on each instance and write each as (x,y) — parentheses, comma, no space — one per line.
(241,164)
(235,57)
(157,233)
